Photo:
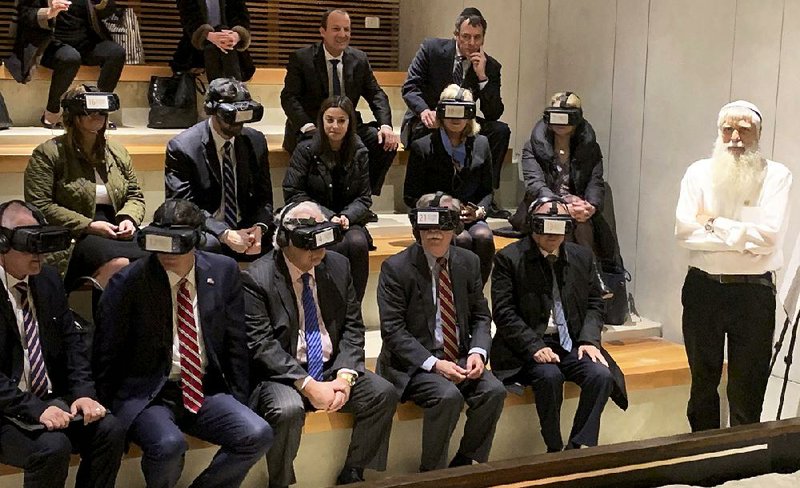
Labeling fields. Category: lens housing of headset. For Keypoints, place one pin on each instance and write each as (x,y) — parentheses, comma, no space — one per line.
(37,239)
(455,109)
(174,239)
(551,224)
(563,115)
(242,112)
(308,234)
(430,218)
(91,103)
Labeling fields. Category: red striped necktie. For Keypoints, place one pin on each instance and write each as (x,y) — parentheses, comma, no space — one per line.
(189,347)
(447,312)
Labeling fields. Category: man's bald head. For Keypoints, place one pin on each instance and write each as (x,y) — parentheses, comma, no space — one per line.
(17,215)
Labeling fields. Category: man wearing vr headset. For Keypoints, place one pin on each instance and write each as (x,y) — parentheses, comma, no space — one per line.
(731,216)
(548,310)
(435,325)
(223,167)
(306,339)
(461,60)
(170,354)
(48,405)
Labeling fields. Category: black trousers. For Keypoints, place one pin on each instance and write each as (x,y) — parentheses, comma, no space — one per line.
(478,238)
(745,313)
(379,160)
(44,455)
(355,247)
(65,61)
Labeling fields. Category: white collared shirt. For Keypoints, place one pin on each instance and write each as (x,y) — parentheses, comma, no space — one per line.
(752,242)
(297,284)
(339,71)
(16,304)
(219,143)
(191,281)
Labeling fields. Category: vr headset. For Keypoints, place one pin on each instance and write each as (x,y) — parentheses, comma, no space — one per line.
(435,216)
(456,108)
(308,234)
(174,239)
(243,112)
(91,102)
(563,115)
(550,222)
(35,239)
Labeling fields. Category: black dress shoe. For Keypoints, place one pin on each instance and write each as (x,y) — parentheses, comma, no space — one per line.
(350,475)
(372,216)
(496,212)
(460,460)
(52,126)
(111,126)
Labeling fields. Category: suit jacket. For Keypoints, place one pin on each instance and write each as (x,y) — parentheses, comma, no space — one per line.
(430,169)
(522,300)
(233,15)
(306,87)
(192,172)
(408,312)
(273,323)
(63,347)
(431,71)
(133,340)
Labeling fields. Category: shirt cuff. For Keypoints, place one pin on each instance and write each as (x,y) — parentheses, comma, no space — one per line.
(480,351)
(347,370)
(429,363)
(482,84)
(387,127)
(307,127)
(302,383)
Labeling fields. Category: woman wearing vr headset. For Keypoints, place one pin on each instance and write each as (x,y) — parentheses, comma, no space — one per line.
(332,170)
(87,184)
(456,160)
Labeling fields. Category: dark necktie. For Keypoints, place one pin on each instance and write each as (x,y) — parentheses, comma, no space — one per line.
(37,382)
(458,70)
(189,348)
(447,312)
(337,86)
(314,357)
(229,187)
(558,310)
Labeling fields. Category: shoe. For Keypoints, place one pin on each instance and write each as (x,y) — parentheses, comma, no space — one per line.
(350,475)
(372,217)
(605,292)
(496,212)
(460,460)
(111,126)
(52,126)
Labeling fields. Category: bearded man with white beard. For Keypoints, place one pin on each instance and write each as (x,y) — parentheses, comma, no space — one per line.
(731,215)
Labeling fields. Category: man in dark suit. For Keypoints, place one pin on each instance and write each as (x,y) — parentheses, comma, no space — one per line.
(440,62)
(162,372)
(548,309)
(435,325)
(223,167)
(45,377)
(216,35)
(309,81)
(306,340)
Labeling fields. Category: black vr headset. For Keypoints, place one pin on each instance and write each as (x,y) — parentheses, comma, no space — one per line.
(456,108)
(563,114)
(550,222)
(241,110)
(306,233)
(169,238)
(435,216)
(33,239)
(91,102)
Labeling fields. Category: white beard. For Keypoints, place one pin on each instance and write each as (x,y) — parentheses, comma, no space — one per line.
(736,182)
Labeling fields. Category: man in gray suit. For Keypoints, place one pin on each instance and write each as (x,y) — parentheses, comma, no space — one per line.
(306,340)
(435,325)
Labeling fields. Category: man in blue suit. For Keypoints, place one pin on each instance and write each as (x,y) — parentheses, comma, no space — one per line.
(171,354)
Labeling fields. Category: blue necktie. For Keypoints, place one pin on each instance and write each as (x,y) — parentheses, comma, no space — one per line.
(229,187)
(337,87)
(458,70)
(558,311)
(313,340)
(38,379)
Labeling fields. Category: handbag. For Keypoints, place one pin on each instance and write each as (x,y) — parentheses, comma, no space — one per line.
(173,101)
(5,119)
(124,29)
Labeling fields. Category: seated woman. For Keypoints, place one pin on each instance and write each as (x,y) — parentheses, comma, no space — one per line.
(66,34)
(562,158)
(458,161)
(332,170)
(86,183)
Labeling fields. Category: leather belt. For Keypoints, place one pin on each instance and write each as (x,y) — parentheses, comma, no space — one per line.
(764,279)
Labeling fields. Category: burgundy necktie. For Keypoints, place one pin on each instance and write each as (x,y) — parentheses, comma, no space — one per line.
(447,312)
(191,376)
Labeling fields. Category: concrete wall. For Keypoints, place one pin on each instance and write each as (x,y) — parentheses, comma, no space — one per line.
(652,75)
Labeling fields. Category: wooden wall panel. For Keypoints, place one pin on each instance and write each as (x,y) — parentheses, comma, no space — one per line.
(278,28)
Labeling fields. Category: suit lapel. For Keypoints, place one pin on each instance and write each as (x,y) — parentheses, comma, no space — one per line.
(329,301)
(424,283)
(207,304)
(7,310)
(283,284)
(322,69)
(348,65)
(210,149)
(240,148)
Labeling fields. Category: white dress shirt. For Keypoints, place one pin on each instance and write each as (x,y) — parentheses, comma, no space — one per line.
(219,143)
(465,64)
(191,281)
(749,243)
(297,284)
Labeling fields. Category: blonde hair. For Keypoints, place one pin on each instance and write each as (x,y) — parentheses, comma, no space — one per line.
(450,93)
(573,100)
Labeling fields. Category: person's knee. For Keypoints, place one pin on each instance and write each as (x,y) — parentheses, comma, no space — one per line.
(168,447)
(497,392)
(385,393)
(115,53)
(67,57)
(549,377)
(450,399)
(290,413)
(259,436)
(111,431)
(210,243)
(601,376)
(52,448)
(357,242)
(464,240)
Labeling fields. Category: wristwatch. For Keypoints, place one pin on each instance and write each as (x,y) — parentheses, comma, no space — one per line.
(710,225)
(350,378)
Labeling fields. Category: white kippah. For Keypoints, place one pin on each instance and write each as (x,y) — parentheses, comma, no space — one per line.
(743,104)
